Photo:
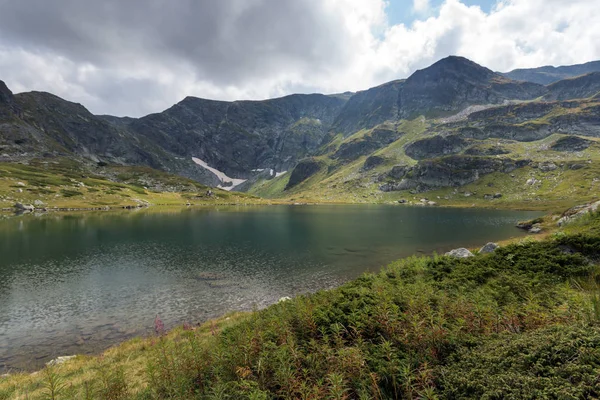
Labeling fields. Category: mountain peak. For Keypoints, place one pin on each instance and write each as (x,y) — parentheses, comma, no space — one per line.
(5,93)
(453,66)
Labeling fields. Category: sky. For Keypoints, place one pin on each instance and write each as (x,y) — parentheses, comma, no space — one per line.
(137,57)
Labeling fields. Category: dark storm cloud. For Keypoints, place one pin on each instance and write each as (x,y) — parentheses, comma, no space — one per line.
(225,42)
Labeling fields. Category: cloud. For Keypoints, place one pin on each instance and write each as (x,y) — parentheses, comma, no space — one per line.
(421,6)
(140,56)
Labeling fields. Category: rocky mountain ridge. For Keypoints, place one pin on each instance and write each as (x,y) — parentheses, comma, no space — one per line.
(453,107)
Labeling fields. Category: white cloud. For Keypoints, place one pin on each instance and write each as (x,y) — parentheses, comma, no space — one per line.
(317,46)
(421,6)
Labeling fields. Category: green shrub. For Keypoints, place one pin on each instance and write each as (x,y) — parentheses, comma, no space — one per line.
(561,362)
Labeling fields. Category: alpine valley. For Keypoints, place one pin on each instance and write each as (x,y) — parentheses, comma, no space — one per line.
(455,133)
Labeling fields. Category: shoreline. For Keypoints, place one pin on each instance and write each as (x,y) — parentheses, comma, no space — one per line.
(247,310)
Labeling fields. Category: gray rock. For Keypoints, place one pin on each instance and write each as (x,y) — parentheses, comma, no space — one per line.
(488,248)
(59,360)
(571,144)
(531,181)
(38,203)
(577,212)
(535,229)
(432,203)
(402,201)
(24,207)
(460,253)
(547,166)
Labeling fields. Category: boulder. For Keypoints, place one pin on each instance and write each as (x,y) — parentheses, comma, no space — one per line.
(547,166)
(284,299)
(535,229)
(59,360)
(488,248)
(531,181)
(578,212)
(38,203)
(24,207)
(460,253)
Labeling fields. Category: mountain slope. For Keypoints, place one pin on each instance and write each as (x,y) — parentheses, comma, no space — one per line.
(447,86)
(580,87)
(448,125)
(549,74)
(237,137)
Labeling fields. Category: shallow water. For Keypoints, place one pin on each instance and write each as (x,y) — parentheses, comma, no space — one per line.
(79,283)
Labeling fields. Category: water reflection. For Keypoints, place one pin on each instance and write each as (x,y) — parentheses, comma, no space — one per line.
(78,283)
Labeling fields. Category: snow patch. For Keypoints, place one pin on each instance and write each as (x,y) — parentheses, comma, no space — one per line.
(278,174)
(221,175)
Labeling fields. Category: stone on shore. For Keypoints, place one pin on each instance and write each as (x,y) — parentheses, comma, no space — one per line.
(59,360)
(460,253)
(488,248)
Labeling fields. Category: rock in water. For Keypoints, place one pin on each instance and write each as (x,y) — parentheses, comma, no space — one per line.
(460,253)
(488,248)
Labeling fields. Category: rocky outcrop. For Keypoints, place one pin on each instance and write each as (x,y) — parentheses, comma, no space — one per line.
(571,144)
(483,150)
(436,146)
(372,162)
(367,144)
(304,170)
(452,171)
(577,212)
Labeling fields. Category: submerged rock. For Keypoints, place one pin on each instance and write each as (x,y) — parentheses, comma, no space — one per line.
(460,253)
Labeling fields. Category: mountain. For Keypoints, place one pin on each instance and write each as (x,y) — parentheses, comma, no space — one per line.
(241,136)
(446,126)
(453,83)
(549,74)
(445,87)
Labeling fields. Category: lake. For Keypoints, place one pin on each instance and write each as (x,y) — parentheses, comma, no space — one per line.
(75,284)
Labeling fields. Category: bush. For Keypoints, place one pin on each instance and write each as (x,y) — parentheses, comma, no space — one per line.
(561,362)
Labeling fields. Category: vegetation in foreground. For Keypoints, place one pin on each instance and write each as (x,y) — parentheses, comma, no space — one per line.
(522,322)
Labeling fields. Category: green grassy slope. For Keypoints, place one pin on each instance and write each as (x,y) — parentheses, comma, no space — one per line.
(66,184)
(576,179)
